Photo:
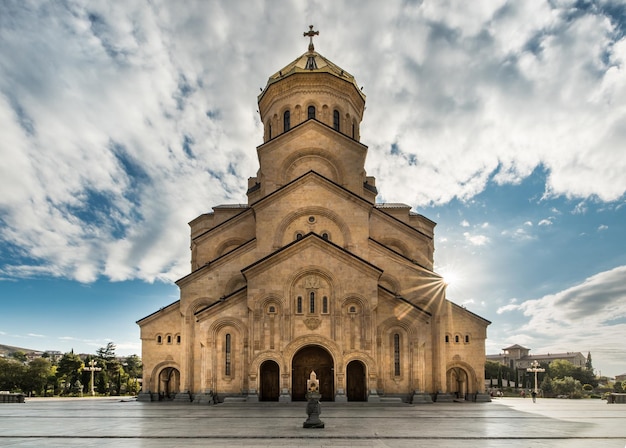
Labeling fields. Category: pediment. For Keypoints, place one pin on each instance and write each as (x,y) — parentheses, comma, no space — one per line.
(311,250)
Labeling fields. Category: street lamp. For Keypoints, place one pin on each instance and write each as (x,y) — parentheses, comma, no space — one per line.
(534,367)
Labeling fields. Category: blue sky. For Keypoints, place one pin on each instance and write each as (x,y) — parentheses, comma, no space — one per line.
(504,122)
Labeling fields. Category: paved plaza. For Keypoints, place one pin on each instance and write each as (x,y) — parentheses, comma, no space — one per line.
(506,422)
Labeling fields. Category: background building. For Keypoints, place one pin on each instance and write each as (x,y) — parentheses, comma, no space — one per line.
(519,358)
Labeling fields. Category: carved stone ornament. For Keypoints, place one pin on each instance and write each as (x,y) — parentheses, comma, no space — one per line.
(312,323)
(312,282)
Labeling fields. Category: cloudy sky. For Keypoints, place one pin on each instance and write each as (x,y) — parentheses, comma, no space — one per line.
(503,121)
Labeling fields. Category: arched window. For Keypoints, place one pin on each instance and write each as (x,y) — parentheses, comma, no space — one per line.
(169,339)
(178,339)
(159,339)
(299,305)
(396,354)
(447,339)
(336,120)
(352,310)
(325,236)
(286,121)
(456,339)
(311,112)
(467,338)
(269,129)
(227,351)
(312,302)
(271,309)
(325,305)
(298,236)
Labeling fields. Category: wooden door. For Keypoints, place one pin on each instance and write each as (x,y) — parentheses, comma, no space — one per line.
(270,384)
(355,378)
(308,359)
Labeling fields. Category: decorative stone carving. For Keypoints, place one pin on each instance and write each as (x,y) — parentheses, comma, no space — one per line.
(312,323)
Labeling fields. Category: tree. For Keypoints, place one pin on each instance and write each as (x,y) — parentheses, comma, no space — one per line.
(19,355)
(588,364)
(618,387)
(106,353)
(133,368)
(11,374)
(546,385)
(560,368)
(109,380)
(567,386)
(36,376)
(69,370)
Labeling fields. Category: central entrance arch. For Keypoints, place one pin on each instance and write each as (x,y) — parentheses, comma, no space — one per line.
(270,383)
(306,360)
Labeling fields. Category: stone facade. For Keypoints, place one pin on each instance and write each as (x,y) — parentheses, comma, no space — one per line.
(312,274)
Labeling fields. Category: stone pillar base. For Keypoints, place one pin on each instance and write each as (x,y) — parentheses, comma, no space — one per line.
(183,397)
(204,398)
(421,398)
(444,398)
(144,396)
(483,398)
(373,396)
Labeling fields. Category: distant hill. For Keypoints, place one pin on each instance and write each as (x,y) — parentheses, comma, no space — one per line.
(6,349)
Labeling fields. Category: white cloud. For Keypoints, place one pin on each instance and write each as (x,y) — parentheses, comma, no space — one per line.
(602,227)
(598,305)
(545,222)
(464,223)
(123,121)
(476,240)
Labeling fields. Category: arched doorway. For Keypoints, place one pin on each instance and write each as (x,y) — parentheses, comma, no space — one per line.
(458,382)
(270,383)
(169,383)
(355,381)
(308,359)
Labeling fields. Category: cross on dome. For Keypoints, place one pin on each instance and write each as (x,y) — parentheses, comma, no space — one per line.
(310,35)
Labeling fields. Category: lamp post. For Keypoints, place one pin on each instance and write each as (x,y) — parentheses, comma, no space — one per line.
(92,368)
(534,367)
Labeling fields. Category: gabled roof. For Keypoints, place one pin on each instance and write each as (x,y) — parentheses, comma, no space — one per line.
(408,302)
(162,310)
(307,239)
(516,346)
(476,316)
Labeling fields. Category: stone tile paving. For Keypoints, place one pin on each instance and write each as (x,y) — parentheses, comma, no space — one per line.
(512,422)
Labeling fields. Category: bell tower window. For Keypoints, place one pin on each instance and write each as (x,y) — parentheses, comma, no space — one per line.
(311,112)
(336,120)
(286,121)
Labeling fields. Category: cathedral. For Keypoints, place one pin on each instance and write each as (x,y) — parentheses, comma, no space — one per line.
(312,274)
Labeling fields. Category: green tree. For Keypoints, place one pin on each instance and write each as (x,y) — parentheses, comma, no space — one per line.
(588,364)
(19,355)
(36,376)
(110,379)
(546,385)
(491,369)
(567,386)
(618,387)
(561,368)
(69,370)
(11,375)
(134,369)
